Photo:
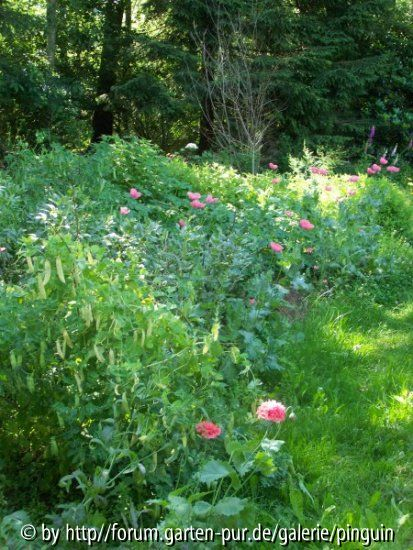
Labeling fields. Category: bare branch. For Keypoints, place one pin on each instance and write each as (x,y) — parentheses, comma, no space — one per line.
(238,91)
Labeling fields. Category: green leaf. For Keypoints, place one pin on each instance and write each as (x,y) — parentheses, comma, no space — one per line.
(195,496)
(179,505)
(229,506)
(213,470)
(264,463)
(273,445)
(296,500)
(371,518)
(374,499)
(202,508)
(235,480)
(303,488)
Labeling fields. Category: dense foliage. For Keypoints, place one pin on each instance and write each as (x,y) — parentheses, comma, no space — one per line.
(72,70)
(131,311)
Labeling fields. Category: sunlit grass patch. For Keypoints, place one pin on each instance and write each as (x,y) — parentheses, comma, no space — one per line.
(352,376)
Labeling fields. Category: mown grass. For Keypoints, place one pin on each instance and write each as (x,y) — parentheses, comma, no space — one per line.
(352,377)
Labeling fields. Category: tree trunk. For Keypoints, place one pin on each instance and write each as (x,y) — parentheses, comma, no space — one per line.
(206,130)
(206,122)
(51,32)
(103,118)
(128,15)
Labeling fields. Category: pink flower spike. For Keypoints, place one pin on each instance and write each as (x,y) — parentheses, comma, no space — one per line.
(353,179)
(289,213)
(276,180)
(305,224)
(272,411)
(276,247)
(383,160)
(124,210)
(210,199)
(272,166)
(328,188)
(182,223)
(135,194)
(393,169)
(193,196)
(208,430)
(197,204)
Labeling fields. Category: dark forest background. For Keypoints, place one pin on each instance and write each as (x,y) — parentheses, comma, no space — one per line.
(265,76)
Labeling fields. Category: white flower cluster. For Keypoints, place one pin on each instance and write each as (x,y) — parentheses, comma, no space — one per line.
(191,147)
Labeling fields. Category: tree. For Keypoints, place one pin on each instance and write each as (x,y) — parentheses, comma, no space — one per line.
(51,32)
(128,15)
(70,69)
(235,102)
(185,22)
(103,116)
(207,46)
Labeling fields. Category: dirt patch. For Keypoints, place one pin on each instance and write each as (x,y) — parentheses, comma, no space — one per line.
(296,308)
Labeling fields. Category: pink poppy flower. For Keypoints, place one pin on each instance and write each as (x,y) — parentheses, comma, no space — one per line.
(353,179)
(135,194)
(210,199)
(193,196)
(272,411)
(328,188)
(376,167)
(197,204)
(276,247)
(370,171)
(276,180)
(272,166)
(208,430)
(305,224)
(182,223)
(124,210)
(393,169)
(289,213)
(319,171)
(383,160)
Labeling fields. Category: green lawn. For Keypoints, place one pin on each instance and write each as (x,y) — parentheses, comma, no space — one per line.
(352,379)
